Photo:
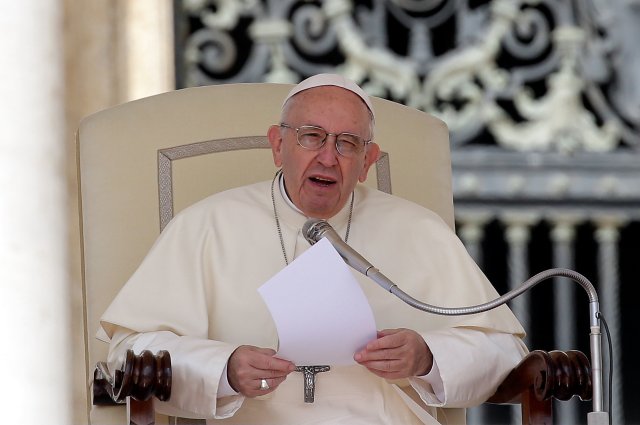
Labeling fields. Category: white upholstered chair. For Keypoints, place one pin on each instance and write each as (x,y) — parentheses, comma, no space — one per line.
(141,162)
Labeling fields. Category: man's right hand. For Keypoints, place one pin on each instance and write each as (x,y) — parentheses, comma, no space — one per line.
(249,365)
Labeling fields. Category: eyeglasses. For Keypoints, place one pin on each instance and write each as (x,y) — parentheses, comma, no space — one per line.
(313,138)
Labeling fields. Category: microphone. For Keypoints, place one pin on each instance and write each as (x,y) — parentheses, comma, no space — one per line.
(316,229)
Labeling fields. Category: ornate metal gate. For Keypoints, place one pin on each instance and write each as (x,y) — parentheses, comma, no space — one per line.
(542,98)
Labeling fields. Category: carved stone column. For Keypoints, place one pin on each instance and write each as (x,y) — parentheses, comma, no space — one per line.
(471,232)
(563,236)
(517,236)
(34,290)
(145,48)
(607,235)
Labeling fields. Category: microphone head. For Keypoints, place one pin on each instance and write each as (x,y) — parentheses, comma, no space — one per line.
(314,229)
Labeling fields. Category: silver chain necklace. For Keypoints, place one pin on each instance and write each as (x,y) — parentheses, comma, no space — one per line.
(275,215)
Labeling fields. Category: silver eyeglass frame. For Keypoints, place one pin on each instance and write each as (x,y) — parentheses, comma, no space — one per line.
(324,141)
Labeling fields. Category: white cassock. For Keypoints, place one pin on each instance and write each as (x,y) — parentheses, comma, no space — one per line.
(195,295)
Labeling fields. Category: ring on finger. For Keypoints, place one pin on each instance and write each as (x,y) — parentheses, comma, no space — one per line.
(264,385)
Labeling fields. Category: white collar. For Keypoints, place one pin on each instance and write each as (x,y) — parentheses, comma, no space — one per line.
(288,200)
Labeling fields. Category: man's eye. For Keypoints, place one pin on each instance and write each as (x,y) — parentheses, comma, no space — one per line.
(348,143)
(313,136)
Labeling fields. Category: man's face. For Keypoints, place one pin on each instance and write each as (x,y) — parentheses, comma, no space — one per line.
(320,182)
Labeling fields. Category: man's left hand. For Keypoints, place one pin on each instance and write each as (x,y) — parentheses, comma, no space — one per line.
(396,354)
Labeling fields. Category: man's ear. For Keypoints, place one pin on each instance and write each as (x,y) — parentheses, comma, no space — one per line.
(275,140)
(372,151)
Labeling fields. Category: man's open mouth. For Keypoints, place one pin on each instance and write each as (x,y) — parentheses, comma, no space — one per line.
(322,181)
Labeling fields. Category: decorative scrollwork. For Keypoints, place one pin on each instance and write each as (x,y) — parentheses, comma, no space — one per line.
(505,70)
(312,35)
(530,35)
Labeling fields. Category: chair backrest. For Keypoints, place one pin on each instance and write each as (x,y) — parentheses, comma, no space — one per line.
(143,161)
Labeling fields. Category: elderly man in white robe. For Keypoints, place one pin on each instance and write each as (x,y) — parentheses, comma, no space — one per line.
(195,294)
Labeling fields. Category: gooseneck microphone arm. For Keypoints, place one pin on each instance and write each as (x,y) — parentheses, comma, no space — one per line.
(315,229)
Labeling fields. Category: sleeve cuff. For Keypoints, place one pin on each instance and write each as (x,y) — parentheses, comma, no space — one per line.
(430,386)
(224,387)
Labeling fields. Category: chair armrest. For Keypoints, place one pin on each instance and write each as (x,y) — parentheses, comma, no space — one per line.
(542,376)
(139,378)
(556,374)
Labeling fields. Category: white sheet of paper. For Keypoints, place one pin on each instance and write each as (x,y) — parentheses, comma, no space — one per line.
(321,314)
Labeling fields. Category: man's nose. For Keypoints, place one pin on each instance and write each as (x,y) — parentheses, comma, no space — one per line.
(328,153)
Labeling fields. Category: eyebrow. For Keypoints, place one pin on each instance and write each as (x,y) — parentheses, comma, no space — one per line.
(319,126)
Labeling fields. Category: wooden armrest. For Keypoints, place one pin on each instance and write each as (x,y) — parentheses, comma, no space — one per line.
(542,376)
(556,374)
(141,377)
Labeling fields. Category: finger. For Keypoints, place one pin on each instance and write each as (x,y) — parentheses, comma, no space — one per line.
(385,332)
(255,386)
(272,384)
(380,355)
(384,365)
(368,355)
(388,346)
(272,366)
(387,339)
(265,351)
(262,359)
(387,369)
(270,374)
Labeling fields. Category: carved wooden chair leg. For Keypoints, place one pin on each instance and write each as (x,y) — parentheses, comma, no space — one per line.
(141,412)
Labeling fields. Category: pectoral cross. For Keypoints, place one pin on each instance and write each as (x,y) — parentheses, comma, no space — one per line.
(310,380)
